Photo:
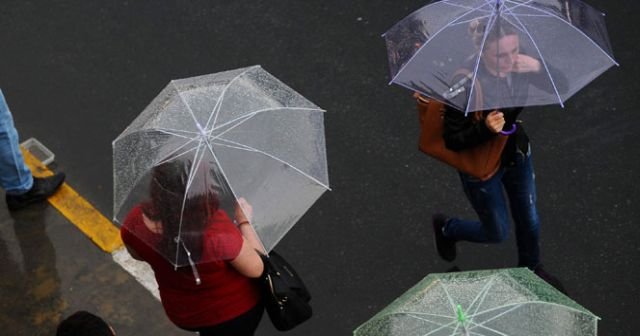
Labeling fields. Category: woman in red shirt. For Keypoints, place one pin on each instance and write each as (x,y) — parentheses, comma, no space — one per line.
(219,295)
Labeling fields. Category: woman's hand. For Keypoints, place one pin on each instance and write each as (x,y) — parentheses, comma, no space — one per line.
(526,63)
(244,211)
(495,121)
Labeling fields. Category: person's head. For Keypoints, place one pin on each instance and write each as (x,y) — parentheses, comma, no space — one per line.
(83,323)
(403,41)
(501,46)
(182,212)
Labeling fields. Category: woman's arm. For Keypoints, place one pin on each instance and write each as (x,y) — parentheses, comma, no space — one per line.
(462,132)
(243,215)
(248,261)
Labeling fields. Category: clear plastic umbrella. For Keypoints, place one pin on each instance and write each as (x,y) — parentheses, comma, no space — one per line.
(560,46)
(505,302)
(222,137)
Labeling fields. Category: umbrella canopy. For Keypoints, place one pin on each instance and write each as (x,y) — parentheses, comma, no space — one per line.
(503,302)
(206,142)
(554,48)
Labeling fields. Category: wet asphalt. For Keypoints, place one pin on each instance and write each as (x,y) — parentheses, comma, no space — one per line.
(76,73)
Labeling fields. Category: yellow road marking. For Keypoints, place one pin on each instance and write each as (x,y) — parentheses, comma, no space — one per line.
(78,211)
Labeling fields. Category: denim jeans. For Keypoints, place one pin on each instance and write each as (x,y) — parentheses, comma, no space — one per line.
(15,176)
(489,201)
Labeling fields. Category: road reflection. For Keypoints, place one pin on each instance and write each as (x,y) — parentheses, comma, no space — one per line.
(31,303)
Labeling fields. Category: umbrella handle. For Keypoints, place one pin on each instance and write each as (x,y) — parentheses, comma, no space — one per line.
(513,129)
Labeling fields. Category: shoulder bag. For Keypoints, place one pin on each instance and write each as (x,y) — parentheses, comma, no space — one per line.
(285,296)
(481,161)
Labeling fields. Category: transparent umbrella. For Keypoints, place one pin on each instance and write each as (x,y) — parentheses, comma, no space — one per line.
(447,49)
(505,302)
(239,134)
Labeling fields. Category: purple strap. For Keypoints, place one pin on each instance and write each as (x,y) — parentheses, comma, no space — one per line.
(511,131)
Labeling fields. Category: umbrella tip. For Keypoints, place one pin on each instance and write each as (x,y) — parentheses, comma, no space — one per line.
(461,317)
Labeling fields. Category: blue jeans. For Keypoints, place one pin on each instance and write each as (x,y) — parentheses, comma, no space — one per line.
(489,201)
(15,176)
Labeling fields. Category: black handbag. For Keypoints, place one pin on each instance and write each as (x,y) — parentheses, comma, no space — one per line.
(285,296)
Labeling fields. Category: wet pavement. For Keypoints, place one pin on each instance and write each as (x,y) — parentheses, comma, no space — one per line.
(76,73)
(49,270)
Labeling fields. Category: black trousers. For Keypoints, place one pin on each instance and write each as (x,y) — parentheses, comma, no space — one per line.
(243,325)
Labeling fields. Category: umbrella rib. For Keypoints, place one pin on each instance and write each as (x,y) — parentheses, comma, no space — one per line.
(175,132)
(446,292)
(170,157)
(482,293)
(455,330)
(437,3)
(251,149)
(471,20)
(513,305)
(517,4)
(184,200)
(427,314)
(448,325)
(475,333)
(475,325)
(254,113)
(526,4)
(534,302)
(425,320)
(431,39)
(462,6)
(475,71)
(264,249)
(572,26)
(216,108)
(166,157)
(234,147)
(193,115)
(482,325)
(197,160)
(159,130)
(546,67)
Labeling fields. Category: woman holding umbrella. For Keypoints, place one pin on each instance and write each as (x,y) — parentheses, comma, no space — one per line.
(509,73)
(220,296)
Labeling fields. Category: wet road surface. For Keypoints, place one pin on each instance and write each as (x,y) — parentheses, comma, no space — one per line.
(77,72)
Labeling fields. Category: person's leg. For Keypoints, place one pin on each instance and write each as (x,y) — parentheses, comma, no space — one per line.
(243,325)
(15,176)
(519,182)
(487,199)
(22,189)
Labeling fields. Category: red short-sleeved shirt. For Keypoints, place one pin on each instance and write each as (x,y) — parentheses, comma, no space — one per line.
(223,294)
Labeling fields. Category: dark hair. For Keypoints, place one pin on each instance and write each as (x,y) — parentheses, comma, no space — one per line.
(478,27)
(405,40)
(181,213)
(83,323)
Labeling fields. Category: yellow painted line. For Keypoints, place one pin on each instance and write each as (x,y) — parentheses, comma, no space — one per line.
(77,210)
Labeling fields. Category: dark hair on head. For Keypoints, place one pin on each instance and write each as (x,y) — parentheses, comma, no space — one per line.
(404,40)
(83,323)
(182,213)
(478,27)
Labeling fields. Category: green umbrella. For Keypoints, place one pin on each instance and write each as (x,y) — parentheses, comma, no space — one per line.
(503,302)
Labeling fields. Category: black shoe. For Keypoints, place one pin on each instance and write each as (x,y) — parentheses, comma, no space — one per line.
(550,279)
(446,246)
(42,188)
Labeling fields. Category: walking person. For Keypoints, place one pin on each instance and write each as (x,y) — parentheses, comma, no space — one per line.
(509,72)
(216,293)
(21,188)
